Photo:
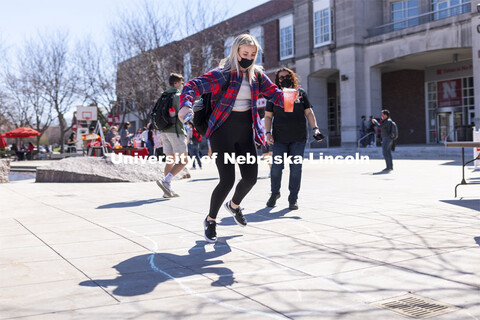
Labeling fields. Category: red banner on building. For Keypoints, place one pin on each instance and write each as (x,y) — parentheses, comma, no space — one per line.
(449,93)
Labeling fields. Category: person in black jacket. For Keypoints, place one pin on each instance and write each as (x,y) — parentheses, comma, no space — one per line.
(288,137)
(386,134)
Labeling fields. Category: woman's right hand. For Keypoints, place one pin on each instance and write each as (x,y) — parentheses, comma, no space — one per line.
(269,138)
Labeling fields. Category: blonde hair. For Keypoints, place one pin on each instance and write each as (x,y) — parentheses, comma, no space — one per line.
(230,62)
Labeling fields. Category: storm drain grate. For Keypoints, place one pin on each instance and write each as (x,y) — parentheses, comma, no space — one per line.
(414,306)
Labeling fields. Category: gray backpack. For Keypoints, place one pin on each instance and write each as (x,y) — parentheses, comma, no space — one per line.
(394,131)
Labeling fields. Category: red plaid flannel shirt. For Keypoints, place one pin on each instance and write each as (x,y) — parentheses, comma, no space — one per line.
(213,81)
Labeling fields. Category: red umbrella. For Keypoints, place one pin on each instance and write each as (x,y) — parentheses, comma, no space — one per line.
(22,132)
(3,144)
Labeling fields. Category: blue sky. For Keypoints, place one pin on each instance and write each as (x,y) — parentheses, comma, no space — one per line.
(20,19)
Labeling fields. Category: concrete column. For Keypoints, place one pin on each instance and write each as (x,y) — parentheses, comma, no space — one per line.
(317,93)
(352,92)
(476,59)
(373,92)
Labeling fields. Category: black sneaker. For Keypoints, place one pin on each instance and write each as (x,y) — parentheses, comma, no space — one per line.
(237,214)
(273,199)
(293,205)
(210,232)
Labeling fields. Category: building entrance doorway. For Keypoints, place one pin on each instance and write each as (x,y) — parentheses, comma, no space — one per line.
(448,123)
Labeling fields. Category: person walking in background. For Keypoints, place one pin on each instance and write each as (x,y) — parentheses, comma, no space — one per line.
(363,131)
(72,140)
(371,133)
(386,127)
(147,138)
(289,136)
(174,140)
(233,124)
(158,144)
(111,134)
(194,139)
(266,150)
(31,148)
(125,136)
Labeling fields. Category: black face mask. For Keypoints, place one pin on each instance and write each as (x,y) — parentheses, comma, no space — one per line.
(245,63)
(286,83)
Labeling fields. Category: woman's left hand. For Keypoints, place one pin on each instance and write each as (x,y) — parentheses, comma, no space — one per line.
(183,112)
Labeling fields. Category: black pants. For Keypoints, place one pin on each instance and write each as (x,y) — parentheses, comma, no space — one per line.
(235,136)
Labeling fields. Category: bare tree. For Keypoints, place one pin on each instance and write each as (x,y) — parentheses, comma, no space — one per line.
(145,42)
(5,123)
(97,73)
(48,62)
(25,100)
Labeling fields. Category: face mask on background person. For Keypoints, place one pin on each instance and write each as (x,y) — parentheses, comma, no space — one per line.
(286,83)
(245,63)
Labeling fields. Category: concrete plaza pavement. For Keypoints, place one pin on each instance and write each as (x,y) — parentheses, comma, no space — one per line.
(120,251)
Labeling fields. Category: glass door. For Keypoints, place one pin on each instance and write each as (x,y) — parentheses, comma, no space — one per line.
(445,126)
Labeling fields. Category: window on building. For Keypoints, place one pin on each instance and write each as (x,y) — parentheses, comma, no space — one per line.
(323,22)
(404,14)
(432,111)
(228,46)
(187,66)
(257,32)
(468,100)
(207,57)
(447,8)
(286,37)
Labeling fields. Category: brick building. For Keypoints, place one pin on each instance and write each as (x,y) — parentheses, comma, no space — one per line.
(418,58)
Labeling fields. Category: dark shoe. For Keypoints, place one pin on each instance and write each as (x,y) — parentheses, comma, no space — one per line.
(293,205)
(273,199)
(237,214)
(210,231)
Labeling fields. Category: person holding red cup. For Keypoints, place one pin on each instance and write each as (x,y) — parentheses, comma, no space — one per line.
(289,134)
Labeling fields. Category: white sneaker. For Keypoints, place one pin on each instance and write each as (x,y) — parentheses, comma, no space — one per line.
(165,186)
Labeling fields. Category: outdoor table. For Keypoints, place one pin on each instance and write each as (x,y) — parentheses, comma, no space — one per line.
(139,152)
(463,145)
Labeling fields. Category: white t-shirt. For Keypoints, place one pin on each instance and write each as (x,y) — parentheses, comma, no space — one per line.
(243,102)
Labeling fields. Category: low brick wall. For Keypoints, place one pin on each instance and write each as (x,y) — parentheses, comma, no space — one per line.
(4,170)
(93,169)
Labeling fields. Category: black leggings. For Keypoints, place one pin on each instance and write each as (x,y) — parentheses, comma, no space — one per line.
(234,136)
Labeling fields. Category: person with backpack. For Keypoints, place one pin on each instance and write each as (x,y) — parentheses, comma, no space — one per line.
(172,133)
(388,131)
(233,124)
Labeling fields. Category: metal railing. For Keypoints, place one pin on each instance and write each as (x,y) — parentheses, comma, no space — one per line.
(448,135)
(421,19)
(367,136)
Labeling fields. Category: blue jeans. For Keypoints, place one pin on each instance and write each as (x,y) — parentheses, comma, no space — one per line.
(149,146)
(387,151)
(195,154)
(288,149)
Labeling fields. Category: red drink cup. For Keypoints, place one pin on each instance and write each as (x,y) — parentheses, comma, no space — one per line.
(289,97)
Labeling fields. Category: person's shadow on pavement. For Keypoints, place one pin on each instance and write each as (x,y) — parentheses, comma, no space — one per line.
(264,214)
(129,204)
(142,274)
